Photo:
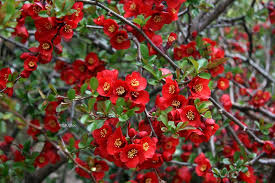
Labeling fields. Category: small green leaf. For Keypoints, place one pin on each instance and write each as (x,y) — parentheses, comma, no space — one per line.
(43,13)
(91,103)
(195,63)
(83,88)
(71,94)
(9,85)
(226,161)
(93,83)
(205,75)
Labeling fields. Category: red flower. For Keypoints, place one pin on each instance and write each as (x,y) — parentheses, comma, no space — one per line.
(68,76)
(149,146)
(99,168)
(132,8)
(140,97)
(199,88)
(110,27)
(170,88)
(120,89)
(268,147)
(51,124)
(191,115)
(66,31)
(172,38)
(226,102)
(41,160)
(30,64)
(8,139)
(106,79)
(223,84)
(132,155)
(18,156)
(136,82)
(101,135)
(203,165)
(158,19)
(3,158)
(120,40)
(169,144)
(92,61)
(32,131)
(116,142)
(196,136)
(80,171)
(51,107)
(149,177)
(249,176)
(99,20)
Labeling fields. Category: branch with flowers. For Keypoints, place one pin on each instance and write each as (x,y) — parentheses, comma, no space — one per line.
(136,91)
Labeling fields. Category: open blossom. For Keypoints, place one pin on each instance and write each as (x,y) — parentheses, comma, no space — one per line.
(203,165)
(199,88)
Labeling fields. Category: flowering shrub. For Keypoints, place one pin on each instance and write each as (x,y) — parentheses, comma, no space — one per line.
(137,91)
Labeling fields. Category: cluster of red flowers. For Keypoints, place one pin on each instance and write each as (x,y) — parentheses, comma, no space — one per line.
(271,10)
(118,38)
(50,121)
(79,71)
(159,13)
(47,155)
(4,76)
(132,89)
(211,52)
(184,109)
(128,152)
(7,146)
(260,98)
(49,32)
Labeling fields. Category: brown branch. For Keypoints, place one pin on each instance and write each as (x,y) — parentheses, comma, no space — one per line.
(171,62)
(235,120)
(200,23)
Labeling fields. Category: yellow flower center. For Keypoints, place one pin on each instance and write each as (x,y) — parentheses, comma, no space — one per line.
(133,6)
(134,82)
(120,90)
(146,146)
(106,87)
(103,132)
(203,168)
(68,28)
(172,89)
(31,64)
(157,18)
(118,143)
(132,153)
(198,87)
(176,103)
(111,28)
(46,46)
(190,115)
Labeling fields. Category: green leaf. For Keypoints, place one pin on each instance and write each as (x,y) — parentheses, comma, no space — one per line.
(91,103)
(93,83)
(9,85)
(144,51)
(195,63)
(62,107)
(205,75)
(53,89)
(83,88)
(216,171)
(43,13)
(108,105)
(226,161)
(71,94)
(202,63)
